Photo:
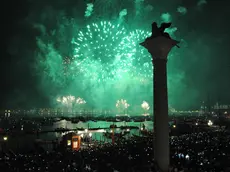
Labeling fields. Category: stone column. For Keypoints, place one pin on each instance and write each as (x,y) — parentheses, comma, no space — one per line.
(159,48)
(161,150)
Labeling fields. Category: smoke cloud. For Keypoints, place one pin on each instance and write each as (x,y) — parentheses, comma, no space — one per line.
(182,10)
(149,8)
(122,14)
(201,3)
(166,17)
(63,62)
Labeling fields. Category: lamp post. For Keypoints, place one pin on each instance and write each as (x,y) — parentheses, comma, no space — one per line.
(159,45)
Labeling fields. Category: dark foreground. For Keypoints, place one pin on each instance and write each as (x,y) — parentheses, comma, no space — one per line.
(192,152)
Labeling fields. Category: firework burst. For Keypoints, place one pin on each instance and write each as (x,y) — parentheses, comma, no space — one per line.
(80,101)
(96,50)
(108,52)
(145,105)
(102,61)
(122,104)
(138,59)
(67,101)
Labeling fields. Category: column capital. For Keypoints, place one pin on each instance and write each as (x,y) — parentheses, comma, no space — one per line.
(159,47)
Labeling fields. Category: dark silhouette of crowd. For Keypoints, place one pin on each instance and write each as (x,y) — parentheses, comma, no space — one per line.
(209,151)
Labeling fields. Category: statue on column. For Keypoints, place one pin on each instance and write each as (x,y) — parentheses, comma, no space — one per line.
(160,31)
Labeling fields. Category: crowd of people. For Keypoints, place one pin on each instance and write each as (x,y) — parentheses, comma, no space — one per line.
(209,151)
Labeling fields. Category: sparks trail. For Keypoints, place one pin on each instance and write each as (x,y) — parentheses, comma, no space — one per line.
(105,51)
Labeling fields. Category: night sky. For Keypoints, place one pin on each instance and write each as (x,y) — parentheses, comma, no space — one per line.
(204,60)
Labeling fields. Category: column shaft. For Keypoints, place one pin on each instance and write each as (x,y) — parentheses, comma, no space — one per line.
(161,114)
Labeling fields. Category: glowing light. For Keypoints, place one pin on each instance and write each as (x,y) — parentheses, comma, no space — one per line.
(187,156)
(5,138)
(122,104)
(68,142)
(66,100)
(145,105)
(210,123)
(75,144)
(80,100)
(70,101)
